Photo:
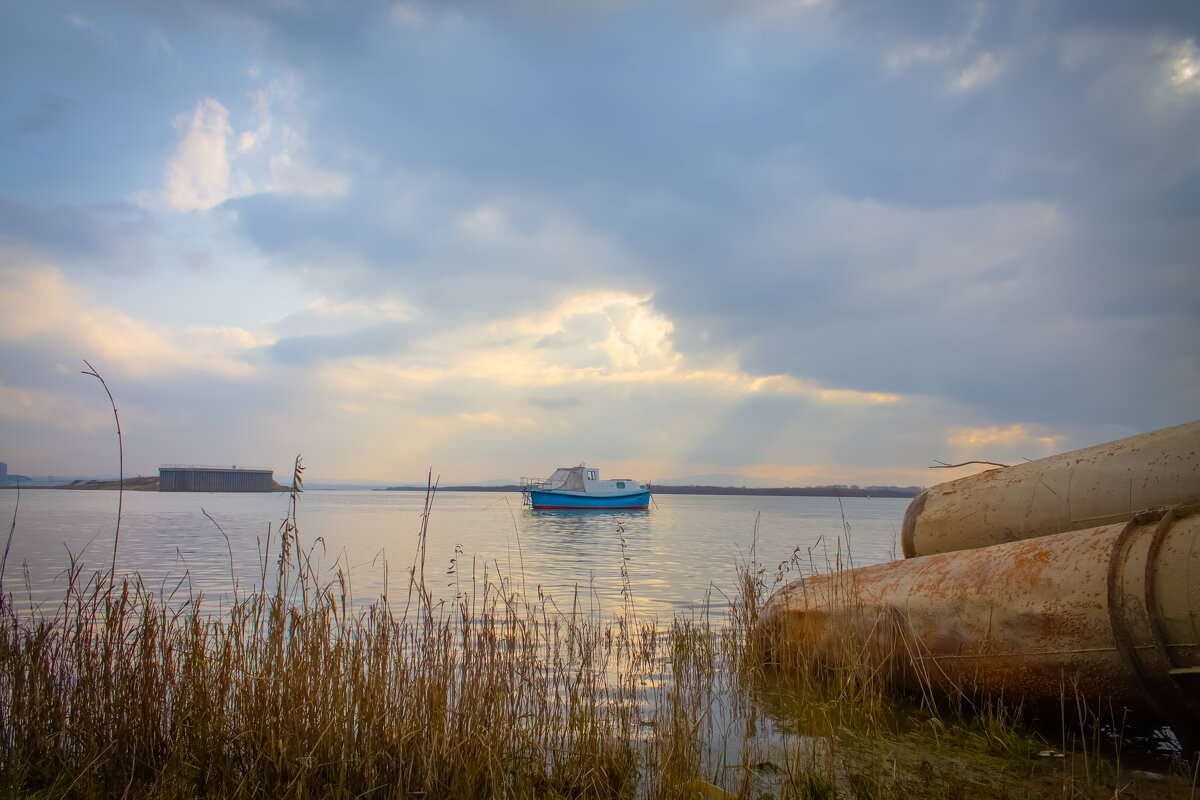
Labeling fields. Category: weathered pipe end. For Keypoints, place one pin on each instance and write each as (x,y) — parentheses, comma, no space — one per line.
(908,528)
(1080,489)
(1109,614)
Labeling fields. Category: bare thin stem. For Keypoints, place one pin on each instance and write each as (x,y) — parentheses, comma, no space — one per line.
(228,546)
(121,465)
(12,529)
(944,465)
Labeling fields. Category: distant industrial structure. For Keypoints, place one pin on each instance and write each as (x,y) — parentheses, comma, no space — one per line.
(187,478)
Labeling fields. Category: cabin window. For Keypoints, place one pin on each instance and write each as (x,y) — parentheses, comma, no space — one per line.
(620,484)
(591,474)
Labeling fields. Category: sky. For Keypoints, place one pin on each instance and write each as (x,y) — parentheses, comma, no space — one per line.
(762,243)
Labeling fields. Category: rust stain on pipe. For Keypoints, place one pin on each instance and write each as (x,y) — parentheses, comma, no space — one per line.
(1112,611)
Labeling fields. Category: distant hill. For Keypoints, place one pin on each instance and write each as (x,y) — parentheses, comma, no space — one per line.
(795,491)
(141,483)
(503,487)
(338,485)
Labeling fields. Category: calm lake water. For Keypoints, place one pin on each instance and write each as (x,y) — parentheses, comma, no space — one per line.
(679,556)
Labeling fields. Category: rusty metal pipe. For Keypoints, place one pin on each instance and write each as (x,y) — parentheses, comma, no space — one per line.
(1070,491)
(1111,612)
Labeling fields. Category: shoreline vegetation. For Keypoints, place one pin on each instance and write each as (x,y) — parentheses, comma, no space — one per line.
(286,688)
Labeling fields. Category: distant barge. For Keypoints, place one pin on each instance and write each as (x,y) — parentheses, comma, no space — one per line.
(182,478)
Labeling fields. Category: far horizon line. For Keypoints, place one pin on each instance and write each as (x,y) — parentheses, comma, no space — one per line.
(331,484)
(827,490)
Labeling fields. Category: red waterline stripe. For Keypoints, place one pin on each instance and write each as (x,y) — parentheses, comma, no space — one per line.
(590,508)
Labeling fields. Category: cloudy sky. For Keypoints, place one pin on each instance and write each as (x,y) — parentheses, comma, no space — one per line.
(769,241)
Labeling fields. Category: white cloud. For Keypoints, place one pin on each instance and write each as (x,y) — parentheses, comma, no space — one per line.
(983,70)
(253,139)
(291,173)
(212,164)
(984,67)
(159,43)
(84,24)
(407,14)
(640,335)
(909,54)
(767,10)
(327,316)
(901,58)
(484,223)
(198,175)
(38,305)
(47,408)
(385,309)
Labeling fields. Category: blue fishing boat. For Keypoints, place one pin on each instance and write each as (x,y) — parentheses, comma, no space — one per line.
(581,487)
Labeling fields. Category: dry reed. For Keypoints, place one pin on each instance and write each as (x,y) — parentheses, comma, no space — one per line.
(290,691)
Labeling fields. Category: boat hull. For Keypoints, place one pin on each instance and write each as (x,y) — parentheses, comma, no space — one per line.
(551,500)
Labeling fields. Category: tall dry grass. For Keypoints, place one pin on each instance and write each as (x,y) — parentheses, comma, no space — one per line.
(288,690)
(291,692)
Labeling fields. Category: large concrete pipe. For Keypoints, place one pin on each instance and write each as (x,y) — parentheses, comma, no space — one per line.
(1070,491)
(1112,613)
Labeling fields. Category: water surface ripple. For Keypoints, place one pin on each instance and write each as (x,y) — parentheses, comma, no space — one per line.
(679,557)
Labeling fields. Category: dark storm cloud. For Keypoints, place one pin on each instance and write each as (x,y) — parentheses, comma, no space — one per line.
(836,195)
(1113,292)
(45,113)
(556,403)
(416,257)
(307,350)
(291,224)
(114,237)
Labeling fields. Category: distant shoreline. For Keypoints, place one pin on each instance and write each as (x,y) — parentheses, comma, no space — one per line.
(799,491)
(150,484)
(142,483)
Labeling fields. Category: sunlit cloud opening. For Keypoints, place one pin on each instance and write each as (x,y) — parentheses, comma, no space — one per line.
(585,342)
(993,435)
(482,418)
(786,384)
(1185,68)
